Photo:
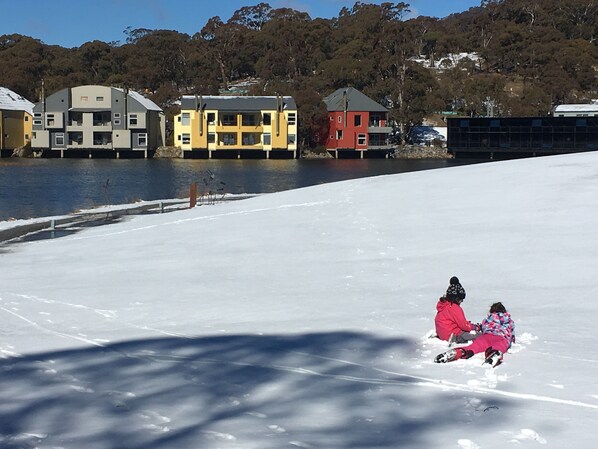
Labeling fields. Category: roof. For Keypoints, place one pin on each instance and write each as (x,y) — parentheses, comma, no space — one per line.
(592,107)
(237,103)
(11,101)
(356,101)
(145,102)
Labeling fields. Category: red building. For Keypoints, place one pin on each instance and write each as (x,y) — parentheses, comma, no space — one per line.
(356,123)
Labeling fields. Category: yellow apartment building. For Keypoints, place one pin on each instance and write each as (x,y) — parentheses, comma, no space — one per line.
(16,121)
(236,126)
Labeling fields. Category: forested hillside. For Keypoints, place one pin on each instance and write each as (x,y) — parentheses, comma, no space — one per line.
(524,57)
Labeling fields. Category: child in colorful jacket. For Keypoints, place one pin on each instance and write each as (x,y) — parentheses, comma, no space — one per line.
(498,333)
(451,324)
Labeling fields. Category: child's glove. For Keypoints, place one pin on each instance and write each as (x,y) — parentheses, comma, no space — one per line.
(477,327)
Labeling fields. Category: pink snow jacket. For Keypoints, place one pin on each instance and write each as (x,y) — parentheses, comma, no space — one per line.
(500,324)
(450,319)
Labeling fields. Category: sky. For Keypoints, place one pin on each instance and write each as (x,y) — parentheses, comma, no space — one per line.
(70,23)
(302,319)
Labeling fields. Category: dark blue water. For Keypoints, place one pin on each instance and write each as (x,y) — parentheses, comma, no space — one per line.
(46,187)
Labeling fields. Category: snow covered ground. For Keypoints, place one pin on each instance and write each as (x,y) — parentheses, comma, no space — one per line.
(300,319)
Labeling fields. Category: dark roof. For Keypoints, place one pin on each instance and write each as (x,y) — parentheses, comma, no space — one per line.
(236,103)
(356,101)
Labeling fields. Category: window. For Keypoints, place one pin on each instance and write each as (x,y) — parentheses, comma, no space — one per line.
(229,139)
(186,119)
(211,118)
(133,119)
(211,137)
(26,118)
(291,139)
(229,119)
(249,120)
(117,115)
(116,122)
(99,98)
(331,118)
(59,139)
(186,139)
(37,122)
(248,139)
(339,118)
(292,118)
(84,98)
(267,119)
(339,134)
(179,137)
(357,120)
(49,119)
(142,139)
(267,139)
(361,139)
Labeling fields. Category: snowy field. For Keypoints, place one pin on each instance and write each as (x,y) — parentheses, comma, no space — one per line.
(300,319)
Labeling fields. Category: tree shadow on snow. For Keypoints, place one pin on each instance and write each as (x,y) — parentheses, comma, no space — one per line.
(325,390)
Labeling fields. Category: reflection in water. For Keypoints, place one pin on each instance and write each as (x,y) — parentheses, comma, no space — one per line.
(46,187)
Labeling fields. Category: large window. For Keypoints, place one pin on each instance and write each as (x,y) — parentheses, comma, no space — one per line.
(250,138)
(211,118)
(291,139)
(186,119)
(249,119)
(361,139)
(267,139)
(59,139)
(267,118)
(357,120)
(186,139)
(292,118)
(132,119)
(339,134)
(229,139)
(229,120)
(211,137)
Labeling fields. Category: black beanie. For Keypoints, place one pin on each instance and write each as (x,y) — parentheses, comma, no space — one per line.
(455,291)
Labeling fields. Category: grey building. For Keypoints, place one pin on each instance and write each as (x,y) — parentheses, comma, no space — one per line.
(97,120)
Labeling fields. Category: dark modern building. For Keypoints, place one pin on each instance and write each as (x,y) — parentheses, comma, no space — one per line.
(511,137)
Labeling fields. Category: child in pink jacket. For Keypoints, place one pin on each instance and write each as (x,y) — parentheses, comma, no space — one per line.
(450,321)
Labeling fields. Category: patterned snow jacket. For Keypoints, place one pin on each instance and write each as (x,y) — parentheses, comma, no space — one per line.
(500,324)
(450,319)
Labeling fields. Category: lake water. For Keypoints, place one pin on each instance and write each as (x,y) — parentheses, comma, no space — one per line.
(46,187)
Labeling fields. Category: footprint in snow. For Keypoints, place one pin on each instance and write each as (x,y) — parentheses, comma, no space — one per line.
(212,435)
(529,435)
(467,444)
(159,421)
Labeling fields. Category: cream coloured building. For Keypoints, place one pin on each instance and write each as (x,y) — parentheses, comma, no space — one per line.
(98,121)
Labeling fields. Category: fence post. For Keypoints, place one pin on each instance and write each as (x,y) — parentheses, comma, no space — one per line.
(193,196)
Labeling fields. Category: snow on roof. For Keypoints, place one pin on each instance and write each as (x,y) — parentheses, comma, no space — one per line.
(11,101)
(146,102)
(593,107)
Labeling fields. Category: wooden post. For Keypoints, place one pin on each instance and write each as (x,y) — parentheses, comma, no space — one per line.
(193,196)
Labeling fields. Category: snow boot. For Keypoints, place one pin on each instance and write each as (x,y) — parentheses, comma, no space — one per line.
(493,357)
(453,354)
